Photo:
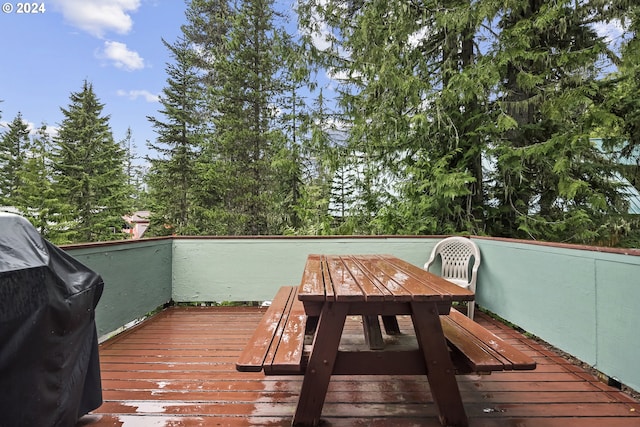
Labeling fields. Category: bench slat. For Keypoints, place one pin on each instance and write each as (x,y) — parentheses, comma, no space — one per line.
(483,350)
(475,355)
(287,358)
(254,354)
(518,360)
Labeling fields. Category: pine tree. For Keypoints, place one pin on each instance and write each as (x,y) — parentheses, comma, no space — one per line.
(292,122)
(88,170)
(248,70)
(207,27)
(622,89)
(36,196)
(13,146)
(316,167)
(172,178)
(552,183)
(410,95)
(483,108)
(134,172)
(621,136)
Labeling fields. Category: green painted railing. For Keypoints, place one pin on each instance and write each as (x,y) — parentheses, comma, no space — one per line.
(582,300)
(579,299)
(137,277)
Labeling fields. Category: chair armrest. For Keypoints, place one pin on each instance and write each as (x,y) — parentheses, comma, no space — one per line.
(430,261)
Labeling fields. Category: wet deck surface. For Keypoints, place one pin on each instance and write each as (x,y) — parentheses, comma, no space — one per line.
(178,369)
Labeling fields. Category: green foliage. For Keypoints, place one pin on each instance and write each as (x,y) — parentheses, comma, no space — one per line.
(239,164)
(135,174)
(13,152)
(451,117)
(36,197)
(248,147)
(88,171)
(483,112)
(172,177)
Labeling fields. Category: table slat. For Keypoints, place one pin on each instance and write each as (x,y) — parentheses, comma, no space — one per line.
(312,285)
(430,282)
(371,288)
(344,285)
(402,285)
(330,293)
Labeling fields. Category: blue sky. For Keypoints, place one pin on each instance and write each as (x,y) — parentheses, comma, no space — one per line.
(114,44)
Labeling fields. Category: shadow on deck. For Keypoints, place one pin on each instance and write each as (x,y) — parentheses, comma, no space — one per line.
(178,369)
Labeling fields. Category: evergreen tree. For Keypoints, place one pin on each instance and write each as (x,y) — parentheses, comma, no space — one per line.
(411,97)
(248,69)
(317,168)
(292,122)
(88,170)
(552,183)
(622,89)
(344,197)
(435,89)
(207,27)
(172,178)
(134,173)
(13,146)
(230,157)
(36,196)
(621,92)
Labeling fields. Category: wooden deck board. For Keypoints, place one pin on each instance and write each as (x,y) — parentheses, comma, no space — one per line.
(178,369)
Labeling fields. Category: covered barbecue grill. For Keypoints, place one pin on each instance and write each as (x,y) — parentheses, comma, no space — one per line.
(49,366)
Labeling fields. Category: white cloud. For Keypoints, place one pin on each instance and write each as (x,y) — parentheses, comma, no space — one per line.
(319,31)
(121,56)
(97,17)
(321,37)
(135,94)
(52,131)
(416,38)
(613,32)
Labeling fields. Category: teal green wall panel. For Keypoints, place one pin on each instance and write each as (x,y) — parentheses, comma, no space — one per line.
(583,302)
(547,291)
(137,279)
(253,269)
(618,319)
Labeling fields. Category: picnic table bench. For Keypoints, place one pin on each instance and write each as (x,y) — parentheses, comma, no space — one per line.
(277,345)
(290,338)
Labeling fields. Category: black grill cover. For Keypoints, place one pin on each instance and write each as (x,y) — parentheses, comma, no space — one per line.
(49,367)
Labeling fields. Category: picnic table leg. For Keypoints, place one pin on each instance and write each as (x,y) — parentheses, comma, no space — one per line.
(321,361)
(372,332)
(312,323)
(391,326)
(440,370)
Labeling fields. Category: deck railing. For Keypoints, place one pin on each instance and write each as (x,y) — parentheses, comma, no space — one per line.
(583,300)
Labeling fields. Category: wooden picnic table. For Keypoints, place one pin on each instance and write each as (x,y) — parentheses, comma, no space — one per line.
(301,332)
(336,286)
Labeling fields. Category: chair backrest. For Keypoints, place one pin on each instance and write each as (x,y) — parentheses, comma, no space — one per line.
(457,254)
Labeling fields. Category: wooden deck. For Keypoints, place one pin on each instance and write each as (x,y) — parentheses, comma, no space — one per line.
(178,369)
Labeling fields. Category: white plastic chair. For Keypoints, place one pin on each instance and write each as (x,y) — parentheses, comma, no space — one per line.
(457,254)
